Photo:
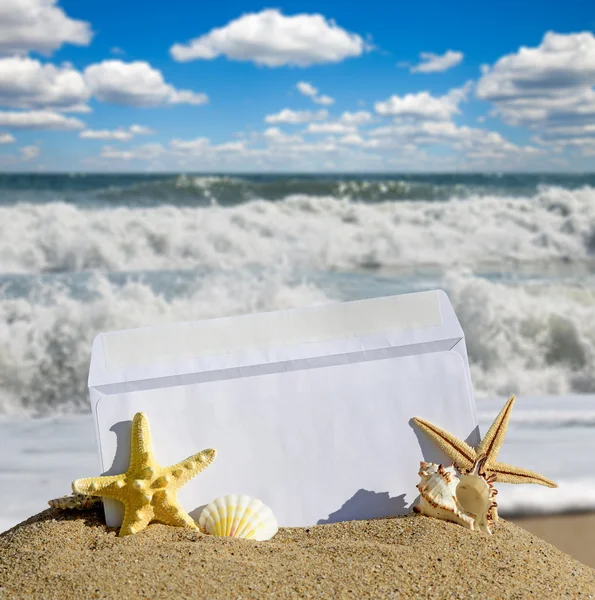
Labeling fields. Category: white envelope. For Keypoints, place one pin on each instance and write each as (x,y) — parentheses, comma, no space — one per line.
(309,409)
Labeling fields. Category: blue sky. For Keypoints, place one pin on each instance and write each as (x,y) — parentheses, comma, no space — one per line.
(297,86)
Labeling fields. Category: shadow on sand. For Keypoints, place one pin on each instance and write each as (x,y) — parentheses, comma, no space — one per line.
(365,504)
(92,517)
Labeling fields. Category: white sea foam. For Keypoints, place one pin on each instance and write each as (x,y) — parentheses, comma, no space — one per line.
(320,232)
(45,340)
(532,340)
(527,340)
(570,496)
(554,419)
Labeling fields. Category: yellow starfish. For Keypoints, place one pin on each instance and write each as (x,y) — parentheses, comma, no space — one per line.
(147,490)
(464,456)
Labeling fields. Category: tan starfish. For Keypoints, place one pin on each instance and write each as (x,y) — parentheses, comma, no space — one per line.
(464,456)
(147,490)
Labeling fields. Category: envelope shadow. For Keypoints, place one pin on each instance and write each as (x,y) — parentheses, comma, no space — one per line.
(368,505)
(431,452)
(123,431)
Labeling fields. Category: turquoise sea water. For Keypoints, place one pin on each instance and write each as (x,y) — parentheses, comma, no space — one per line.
(89,253)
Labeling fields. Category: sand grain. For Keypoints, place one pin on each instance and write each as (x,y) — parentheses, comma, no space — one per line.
(73,555)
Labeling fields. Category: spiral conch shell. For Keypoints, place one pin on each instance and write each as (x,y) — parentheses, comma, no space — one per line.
(466,501)
(238,516)
(438,495)
(475,493)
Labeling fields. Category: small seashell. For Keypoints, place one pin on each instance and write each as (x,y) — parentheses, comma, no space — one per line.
(438,495)
(75,501)
(475,492)
(238,516)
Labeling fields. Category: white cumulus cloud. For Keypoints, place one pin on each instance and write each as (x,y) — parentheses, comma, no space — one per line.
(272,39)
(296,116)
(307,89)
(143,152)
(276,136)
(121,134)
(423,105)
(27,83)
(326,100)
(549,87)
(473,142)
(30,152)
(196,145)
(135,84)
(339,128)
(355,139)
(6,138)
(437,63)
(202,147)
(40,25)
(187,97)
(229,147)
(38,119)
(140,130)
(355,118)
(561,61)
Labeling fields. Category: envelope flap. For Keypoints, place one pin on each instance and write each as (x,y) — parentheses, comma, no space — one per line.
(275,337)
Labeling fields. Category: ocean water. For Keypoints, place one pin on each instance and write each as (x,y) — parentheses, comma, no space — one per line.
(82,254)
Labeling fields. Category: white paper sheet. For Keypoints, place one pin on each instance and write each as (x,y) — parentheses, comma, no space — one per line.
(317,426)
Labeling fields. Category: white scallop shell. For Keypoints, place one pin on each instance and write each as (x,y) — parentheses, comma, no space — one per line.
(475,492)
(238,516)
(438,497)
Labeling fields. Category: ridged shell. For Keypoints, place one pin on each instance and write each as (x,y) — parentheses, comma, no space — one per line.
(75,501)
(438,495)
(475,492)
(239,516)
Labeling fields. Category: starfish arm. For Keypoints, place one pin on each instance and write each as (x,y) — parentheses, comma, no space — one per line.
(147,490)
(511,474)
(105,487)
(136,519)
(492,442)
(185,470)
(141,448)
(457,450)
(168,511)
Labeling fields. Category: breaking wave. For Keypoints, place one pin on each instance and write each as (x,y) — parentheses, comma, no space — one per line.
(136,190)
(45,338)
(319,232)
(530,340)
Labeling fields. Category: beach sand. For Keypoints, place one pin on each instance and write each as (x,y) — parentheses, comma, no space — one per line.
(572,533)
(74,555)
